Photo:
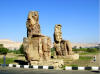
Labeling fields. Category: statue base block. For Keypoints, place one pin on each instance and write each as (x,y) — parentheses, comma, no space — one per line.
(57,63)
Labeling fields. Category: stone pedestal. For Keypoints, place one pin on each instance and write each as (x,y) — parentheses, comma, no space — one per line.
(57,63)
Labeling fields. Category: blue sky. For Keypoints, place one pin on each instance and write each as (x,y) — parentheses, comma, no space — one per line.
(79,18)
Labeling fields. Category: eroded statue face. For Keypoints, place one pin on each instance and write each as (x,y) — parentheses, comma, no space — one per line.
(33,17)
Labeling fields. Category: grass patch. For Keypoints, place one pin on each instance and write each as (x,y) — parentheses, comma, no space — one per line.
(14,51)
(8,60)
(85,58)
(82,61)
(89,53)
(74,65)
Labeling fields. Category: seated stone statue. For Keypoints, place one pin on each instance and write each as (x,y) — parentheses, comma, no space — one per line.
(63,47)
(36,46)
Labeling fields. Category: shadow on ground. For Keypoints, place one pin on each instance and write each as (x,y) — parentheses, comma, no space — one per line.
(96,71)
(21,62)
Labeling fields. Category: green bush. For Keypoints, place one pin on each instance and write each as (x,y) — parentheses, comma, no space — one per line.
(3,50)
(52,51)
(17,52)
(91,50)
(81,49)
(14,51)
(21,49)
(87,49)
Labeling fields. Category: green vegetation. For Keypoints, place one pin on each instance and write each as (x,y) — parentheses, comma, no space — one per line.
(92,49)
(14,51)
(84,51)
(82,61)
(74,65)
(81,49)
(8,60)
(85,58)
(19,51)
(52,51)
(89,53)
(3,51)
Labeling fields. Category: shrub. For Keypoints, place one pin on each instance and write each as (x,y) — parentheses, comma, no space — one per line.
(81,49)
(3,51)
(17,52)
(91,50)
(21,49)
(52,51)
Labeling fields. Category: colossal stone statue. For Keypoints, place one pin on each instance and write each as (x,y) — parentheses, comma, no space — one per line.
(63,47)
(36,46)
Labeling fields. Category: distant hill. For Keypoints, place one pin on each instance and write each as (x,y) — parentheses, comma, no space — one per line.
(10,44)
(84,45)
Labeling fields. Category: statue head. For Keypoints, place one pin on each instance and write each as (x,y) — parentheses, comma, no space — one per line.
(33,17)
(58,33)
